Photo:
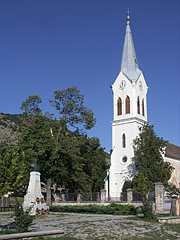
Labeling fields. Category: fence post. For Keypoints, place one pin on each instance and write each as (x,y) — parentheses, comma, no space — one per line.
(79,198)
(178,206)
(56,198)
(98,197)
(129,195)
(5,201)
(159,197)
(103,195)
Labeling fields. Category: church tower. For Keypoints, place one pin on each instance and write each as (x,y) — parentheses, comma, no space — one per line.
(129,113)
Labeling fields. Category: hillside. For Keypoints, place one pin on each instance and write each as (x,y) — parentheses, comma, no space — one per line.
(9,127)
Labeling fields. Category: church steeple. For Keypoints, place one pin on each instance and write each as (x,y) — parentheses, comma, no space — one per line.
(129,114)
(129,64)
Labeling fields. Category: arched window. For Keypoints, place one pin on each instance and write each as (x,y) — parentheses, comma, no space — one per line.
(123,140)
(119,106)
(127,105)
(143,107)
(138,106)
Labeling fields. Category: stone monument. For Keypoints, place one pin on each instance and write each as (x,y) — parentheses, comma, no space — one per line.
(34,200)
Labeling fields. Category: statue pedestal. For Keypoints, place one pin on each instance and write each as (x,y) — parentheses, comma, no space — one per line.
(34,200)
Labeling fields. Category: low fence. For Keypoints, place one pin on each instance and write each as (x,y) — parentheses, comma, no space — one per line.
(138,197)
(123,197)
(73,197)
(96,197)
(130,196)
(84,197)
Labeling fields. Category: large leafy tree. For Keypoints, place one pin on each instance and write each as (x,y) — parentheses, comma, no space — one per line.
(70,105)
(94,162)
(65,156)
(149,162)
(85,163)
(150,165)
(31,105)
(60,151)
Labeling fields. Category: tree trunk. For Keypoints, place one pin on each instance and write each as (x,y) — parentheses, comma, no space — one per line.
(48,192)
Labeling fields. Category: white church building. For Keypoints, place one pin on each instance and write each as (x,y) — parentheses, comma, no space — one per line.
(129,113)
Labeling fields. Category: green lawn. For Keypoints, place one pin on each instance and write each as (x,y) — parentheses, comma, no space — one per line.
(173,227)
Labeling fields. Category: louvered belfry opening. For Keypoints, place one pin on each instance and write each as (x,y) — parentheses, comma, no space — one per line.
(127,105)
(138,106)
(119,106)
(143,107)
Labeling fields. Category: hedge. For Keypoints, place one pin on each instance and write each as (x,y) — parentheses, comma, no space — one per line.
(114,209)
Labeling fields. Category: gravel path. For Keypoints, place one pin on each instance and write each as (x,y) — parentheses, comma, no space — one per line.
(97,227)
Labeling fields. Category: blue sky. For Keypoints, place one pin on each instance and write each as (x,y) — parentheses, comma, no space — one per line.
(48,45)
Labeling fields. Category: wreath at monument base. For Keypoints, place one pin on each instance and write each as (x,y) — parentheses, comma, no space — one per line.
(42,211)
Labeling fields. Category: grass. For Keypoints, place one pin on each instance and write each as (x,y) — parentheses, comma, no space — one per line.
(141,218)
(173,227)
(8,232)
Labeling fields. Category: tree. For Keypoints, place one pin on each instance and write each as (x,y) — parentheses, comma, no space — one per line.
(173,194)
(12,170)
(72,112)
(65,157)
(50,140)
(149,162)
(36,141)
(31,105)
(148,159)
(94,162)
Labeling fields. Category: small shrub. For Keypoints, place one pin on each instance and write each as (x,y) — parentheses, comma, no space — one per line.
(22,219)
(138,210)
(147,209)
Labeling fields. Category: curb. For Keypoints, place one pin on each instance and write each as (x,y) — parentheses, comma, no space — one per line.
(30,234)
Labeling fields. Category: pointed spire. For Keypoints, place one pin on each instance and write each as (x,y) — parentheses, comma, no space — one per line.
(129,64)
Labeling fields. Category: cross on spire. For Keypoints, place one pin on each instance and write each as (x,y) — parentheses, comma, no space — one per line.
(128,16)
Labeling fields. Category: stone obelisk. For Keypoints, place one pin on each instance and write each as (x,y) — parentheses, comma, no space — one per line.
(34,200)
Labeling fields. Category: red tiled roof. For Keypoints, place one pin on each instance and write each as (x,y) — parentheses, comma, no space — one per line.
(172,151)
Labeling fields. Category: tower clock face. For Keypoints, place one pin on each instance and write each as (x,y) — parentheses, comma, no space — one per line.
(140,85)
(122,84)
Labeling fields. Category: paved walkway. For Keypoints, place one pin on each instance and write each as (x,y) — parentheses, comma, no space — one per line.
(91,227)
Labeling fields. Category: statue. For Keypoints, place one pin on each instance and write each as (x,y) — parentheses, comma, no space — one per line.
(35,165)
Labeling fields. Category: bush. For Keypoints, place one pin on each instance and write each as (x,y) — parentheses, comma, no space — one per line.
(147,209)
(22,219)
(115,209)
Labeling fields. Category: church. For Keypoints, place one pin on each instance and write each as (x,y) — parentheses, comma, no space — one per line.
(130,113)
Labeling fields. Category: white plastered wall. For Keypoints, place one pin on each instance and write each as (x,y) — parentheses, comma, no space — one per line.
(175,177)
(129,125)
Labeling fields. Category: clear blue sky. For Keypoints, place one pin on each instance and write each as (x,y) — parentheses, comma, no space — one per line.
(48,45)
